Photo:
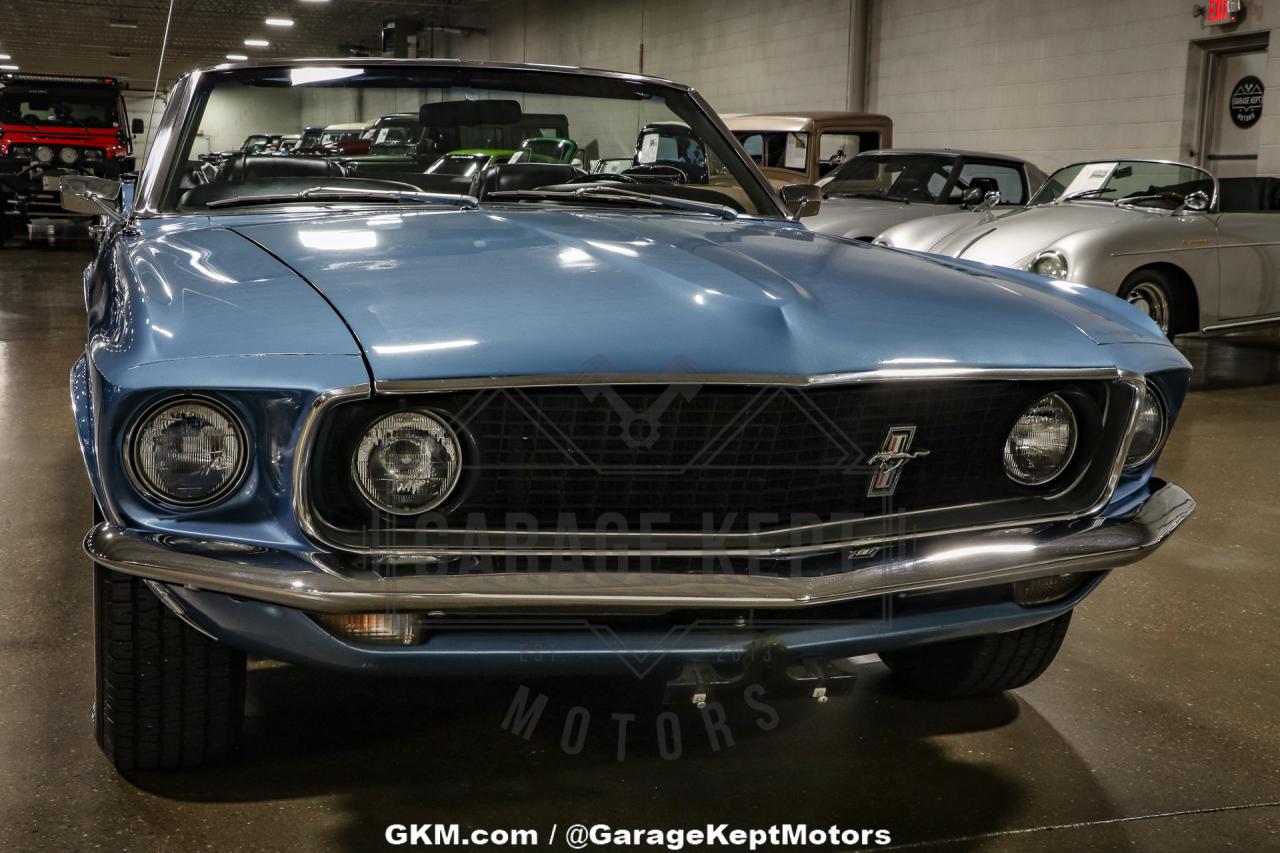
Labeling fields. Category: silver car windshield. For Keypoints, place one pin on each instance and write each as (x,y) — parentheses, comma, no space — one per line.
(394,132)
(1142,183)
(898,177)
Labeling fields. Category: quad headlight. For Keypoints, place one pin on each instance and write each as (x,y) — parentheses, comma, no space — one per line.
(1149,430)
(1042,442)
(68,156)
(44,154)
(1052,264)
(189,452)
(407,462)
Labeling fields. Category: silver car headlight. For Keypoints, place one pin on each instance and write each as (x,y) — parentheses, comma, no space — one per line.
(44,154)
(68,155)
(189,452)
(1042,442)
(1052,264)
(407,462)
(1149,431)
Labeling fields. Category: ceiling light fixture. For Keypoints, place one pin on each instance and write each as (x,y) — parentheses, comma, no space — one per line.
(8,68)
(123,23)
(237,57)
(279,22)
(257,43)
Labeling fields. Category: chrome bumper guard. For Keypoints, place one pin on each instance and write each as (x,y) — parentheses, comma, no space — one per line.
(946,562)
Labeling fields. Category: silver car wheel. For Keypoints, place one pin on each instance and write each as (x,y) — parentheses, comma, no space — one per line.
(1151,299)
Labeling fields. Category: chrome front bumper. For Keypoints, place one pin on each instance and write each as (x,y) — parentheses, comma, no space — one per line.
(317,583)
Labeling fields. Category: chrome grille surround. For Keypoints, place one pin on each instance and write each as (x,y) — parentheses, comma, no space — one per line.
(1126,391)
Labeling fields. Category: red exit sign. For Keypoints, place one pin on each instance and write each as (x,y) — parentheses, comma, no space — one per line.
(1220,12)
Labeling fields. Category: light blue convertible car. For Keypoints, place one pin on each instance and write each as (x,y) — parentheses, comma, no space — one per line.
(541,419)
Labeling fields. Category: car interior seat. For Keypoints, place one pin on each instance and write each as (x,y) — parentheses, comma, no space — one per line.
(505,177)
(250,167)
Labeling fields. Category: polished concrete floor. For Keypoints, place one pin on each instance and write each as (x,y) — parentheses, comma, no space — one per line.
(1157,729)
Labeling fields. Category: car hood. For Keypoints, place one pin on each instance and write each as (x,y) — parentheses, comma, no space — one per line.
(1013,239)
(865,217)
(540,291)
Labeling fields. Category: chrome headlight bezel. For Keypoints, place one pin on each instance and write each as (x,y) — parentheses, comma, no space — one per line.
(43,154)
(1154,400)
(157,495)
(454,448)
(68,156)
(1050,256)
(1073,423)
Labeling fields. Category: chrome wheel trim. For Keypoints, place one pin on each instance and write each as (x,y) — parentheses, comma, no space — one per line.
(1150,299)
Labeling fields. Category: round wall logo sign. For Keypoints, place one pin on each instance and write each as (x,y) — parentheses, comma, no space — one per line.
(1246,102)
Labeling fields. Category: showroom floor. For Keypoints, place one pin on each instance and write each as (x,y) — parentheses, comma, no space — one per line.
(1157,729)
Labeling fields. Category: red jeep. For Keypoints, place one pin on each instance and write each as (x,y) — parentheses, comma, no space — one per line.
(53,125)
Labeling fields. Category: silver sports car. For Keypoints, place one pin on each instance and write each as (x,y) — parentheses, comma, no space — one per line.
(1193,252)
(877,189)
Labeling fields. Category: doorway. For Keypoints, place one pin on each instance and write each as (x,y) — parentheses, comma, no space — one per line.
(1232,100)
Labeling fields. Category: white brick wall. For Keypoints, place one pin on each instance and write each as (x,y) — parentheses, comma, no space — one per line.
(743,55)
(1051,80)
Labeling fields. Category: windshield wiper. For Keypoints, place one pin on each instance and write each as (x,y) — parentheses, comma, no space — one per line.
(1132,200)
(21,118)
(859,194)
(1084,194)
(466,202)
(618,195)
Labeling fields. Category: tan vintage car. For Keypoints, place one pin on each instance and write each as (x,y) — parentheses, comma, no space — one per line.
(801,147)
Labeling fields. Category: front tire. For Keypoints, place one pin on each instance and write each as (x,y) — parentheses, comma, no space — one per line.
(978,666)
(1156,294)
(167,695)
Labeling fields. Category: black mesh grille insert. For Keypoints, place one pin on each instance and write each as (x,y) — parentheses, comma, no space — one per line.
(683,457)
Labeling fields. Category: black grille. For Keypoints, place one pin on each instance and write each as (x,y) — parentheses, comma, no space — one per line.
(728,458)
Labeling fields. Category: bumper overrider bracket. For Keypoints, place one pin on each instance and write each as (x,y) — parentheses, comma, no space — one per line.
(324,583)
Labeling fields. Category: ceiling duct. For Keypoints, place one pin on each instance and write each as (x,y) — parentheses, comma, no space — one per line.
(400,37)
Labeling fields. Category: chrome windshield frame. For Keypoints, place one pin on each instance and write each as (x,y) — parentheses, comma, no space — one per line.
(1213,202)
(176,121)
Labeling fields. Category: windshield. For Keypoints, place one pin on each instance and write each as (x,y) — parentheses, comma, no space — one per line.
(55,108)
(330,136)
(1138,182)
(900,177)
(424,118)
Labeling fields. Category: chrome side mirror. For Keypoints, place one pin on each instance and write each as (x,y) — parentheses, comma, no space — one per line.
(92,195)
(1197,201)
(980,199)
(801,200)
